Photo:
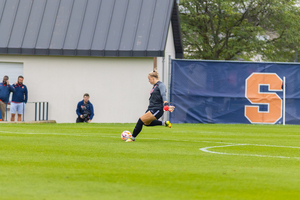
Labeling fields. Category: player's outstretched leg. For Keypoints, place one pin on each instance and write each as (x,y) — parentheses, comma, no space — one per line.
(156,123)
(160,123)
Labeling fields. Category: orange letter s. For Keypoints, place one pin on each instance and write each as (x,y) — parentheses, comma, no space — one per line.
(271,99)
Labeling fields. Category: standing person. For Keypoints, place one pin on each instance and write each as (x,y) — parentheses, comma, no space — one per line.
(85,109)
(5,90)
(157,104)
(19,99)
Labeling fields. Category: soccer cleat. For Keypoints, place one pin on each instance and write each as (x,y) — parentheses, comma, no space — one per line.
(168,124)
(130,140)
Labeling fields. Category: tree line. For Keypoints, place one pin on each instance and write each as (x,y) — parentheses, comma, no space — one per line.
(248,30)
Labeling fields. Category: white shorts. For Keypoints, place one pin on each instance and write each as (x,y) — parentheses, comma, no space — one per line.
(17,107)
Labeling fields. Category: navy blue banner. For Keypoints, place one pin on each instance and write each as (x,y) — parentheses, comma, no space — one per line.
(234,92)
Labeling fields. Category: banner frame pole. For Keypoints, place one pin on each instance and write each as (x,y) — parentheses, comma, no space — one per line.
(283,101)
(163,78)
(169,84)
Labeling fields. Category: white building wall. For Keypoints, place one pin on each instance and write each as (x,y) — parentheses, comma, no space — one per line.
(118,87)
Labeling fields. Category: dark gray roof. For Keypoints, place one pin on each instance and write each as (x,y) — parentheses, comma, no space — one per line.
(125,28)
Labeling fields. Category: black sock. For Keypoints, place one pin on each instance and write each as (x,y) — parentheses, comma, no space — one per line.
(155,123)
(137,129)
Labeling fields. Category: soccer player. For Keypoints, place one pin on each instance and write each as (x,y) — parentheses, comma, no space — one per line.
(157,104)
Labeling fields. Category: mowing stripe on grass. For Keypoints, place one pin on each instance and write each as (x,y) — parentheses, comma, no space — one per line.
(204,149)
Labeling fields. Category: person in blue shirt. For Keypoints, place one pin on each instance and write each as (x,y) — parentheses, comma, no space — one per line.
(5,90)
(85,110)
(19,99)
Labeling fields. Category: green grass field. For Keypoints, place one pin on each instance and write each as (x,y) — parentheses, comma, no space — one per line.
(188,161)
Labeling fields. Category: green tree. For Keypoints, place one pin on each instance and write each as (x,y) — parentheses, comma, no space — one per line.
(232,29)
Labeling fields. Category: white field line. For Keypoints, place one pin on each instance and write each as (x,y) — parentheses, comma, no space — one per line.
(65,134)
(206,149)
(100,135)
(26,133)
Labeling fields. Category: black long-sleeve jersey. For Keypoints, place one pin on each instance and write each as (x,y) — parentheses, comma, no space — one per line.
(157,96)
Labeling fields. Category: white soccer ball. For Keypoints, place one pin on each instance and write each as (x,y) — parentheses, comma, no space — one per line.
(125,135)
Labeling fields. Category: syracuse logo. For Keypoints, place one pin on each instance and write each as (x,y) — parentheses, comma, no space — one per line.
(270,99)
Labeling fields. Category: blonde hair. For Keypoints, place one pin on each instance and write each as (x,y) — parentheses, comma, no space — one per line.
(154,74)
